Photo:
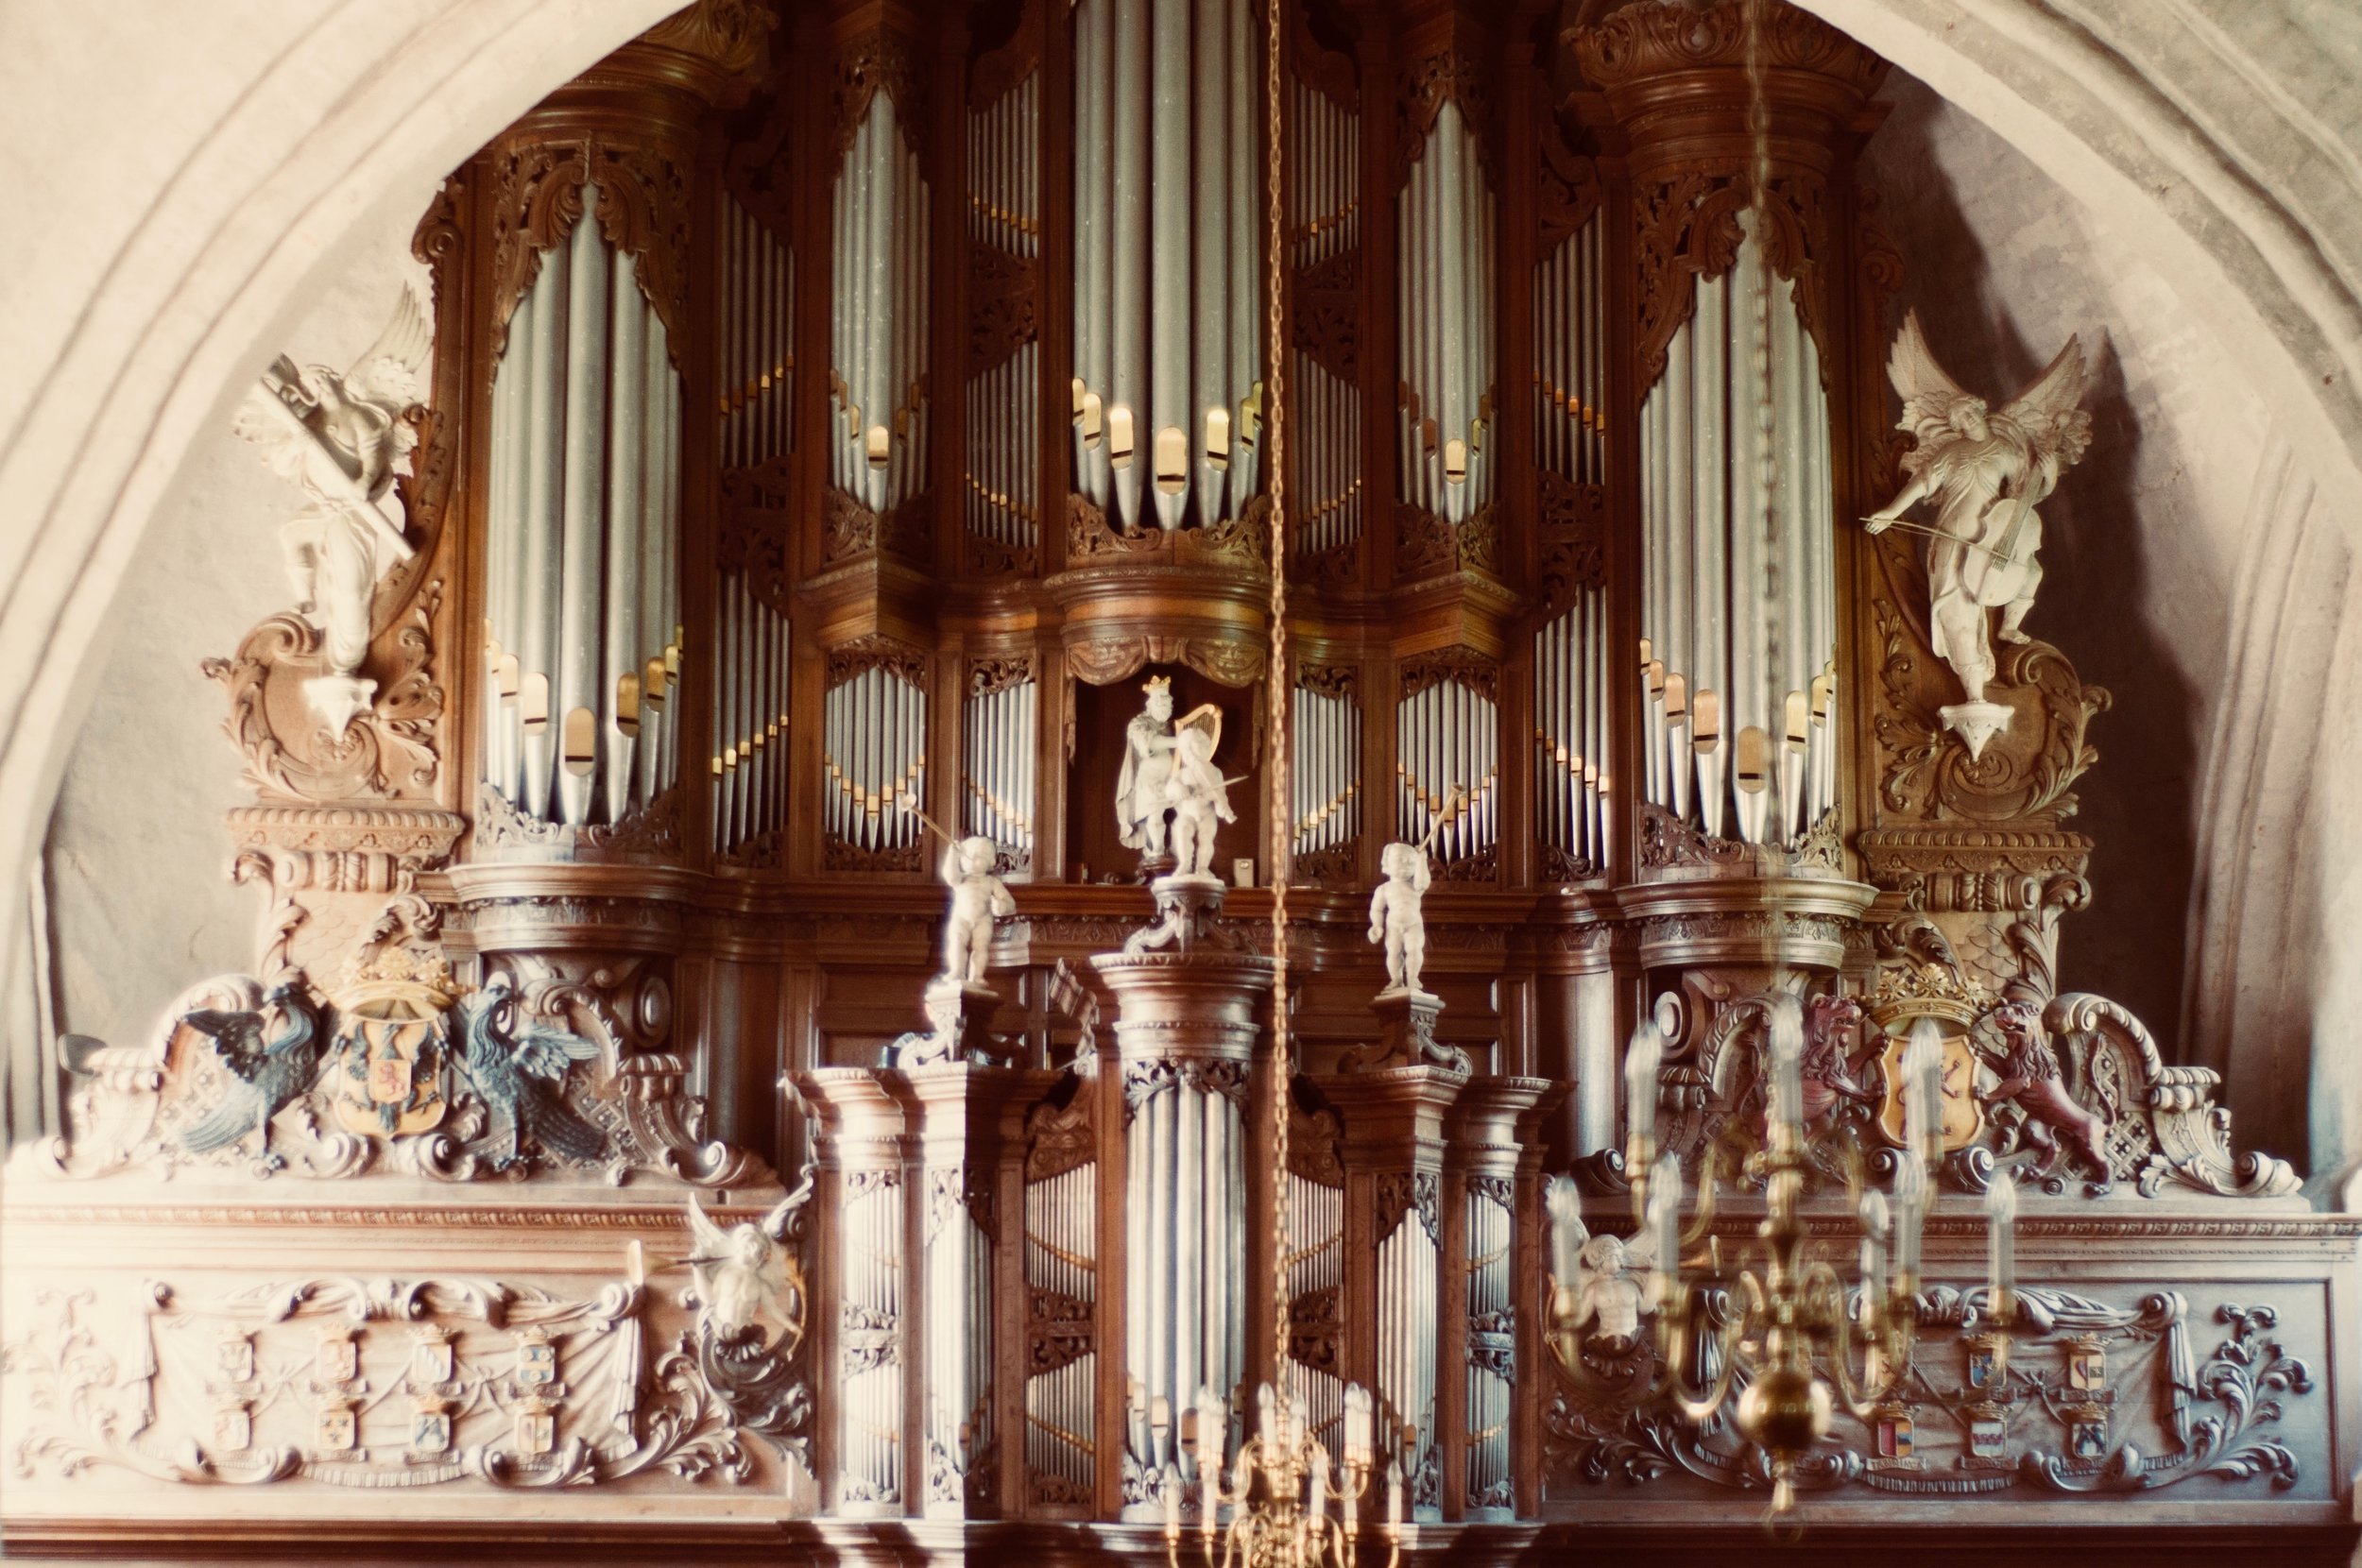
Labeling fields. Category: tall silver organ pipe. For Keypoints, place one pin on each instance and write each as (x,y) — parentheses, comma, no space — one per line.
(1407,1258)
(1323,232)
(1062,1376)
(750,704)
(1185,1240)
(1738,666)
(1326,772)
(758,342)
(874,758)
(1316,1267)
(870,1431)
(1571,777)
(958,1264)
(997,760)
(1004,398)
(1569,424)
(582,631)
(877,317)
(1168,289)
(1492,1344)
(1447,234)
(1448,743)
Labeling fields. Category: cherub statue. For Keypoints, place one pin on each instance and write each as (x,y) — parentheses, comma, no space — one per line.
(2030,1076)
(1148,754)
(341,438)
(1987,473)
(733,1271)
(978,900)
(1591,1279)
(1395,917)
(1200,797)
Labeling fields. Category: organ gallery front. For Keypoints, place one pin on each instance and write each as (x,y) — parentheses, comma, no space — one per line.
(1205,779)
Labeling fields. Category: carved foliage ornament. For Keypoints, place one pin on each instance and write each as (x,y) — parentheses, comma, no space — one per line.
(1449,75)
(643,210)
(1687,227)
(879,60)
(1243,542)
(1428,545)
(850,531)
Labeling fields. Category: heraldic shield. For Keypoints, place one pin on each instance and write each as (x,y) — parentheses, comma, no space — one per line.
(1964,1118)
(391,1045)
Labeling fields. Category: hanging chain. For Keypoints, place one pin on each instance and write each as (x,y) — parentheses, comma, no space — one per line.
(1273,406)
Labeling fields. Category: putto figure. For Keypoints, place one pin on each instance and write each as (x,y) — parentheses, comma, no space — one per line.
(978,900)
(1201,799)
(1986,472)
(1591,1280)
(341,438)
(1395,919)
(1148,751)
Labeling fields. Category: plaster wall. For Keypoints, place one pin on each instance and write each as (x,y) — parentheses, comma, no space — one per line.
(140,904)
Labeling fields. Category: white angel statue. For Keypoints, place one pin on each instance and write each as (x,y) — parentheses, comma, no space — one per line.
(735,1281)
(342,438)
(1591,1276)
(1987,473)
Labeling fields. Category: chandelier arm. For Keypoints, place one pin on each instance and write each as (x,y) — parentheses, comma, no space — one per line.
(1710,1185)
(1728,1337)
(1845,1340)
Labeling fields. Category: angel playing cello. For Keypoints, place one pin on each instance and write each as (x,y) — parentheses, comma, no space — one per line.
(1986,472)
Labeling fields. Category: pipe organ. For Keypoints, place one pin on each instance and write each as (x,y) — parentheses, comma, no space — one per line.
(878,339)
(1447,247)
(1737,562)
(1168,287)
(981,1148)
(582,637)
(998,725)
(1323,187)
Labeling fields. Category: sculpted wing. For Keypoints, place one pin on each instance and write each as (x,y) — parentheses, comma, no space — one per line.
(1929,394)
(706,1236)
(270,424)
(548,1052)
(387,373)
(2048,413)
(237,1038)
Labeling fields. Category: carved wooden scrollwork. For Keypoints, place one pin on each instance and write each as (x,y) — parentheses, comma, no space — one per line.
(998,674)
(1324,315)
(850,531)
(1472,670)
(1428,545)
(2024,773)
(1103,661)
(1453,74)
(1566,187)
(1001,305)
(1574,540)
(753,540)
(877,651)
(643,210)
(879,60)
(386,752)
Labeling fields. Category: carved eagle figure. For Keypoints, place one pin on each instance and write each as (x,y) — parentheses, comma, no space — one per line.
(521,1072)
(340,436)
(265,1075)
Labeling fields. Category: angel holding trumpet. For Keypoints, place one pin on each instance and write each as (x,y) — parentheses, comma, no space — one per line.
(1986,471)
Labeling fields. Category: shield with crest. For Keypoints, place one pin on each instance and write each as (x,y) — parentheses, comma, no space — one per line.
(391,1051)
(1964,1118)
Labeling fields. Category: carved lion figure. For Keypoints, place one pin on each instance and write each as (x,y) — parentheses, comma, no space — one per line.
(2031,1077)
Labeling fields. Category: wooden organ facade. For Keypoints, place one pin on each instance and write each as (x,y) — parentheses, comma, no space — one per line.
(840,411)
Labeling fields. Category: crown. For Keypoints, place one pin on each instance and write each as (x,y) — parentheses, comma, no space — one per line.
(1156,684)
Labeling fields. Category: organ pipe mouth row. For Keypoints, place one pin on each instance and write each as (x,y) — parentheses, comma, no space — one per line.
(1448,739)
(874,760)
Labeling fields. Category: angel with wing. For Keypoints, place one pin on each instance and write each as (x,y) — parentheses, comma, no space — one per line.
(1591,1276)
(1986,472)
(733,1270)
(342,438)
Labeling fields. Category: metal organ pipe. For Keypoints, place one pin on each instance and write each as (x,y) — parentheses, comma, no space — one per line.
(1751,657)
(1446,307)
(582,535)
(1167,293)
(1002,504)
(877,342)
(1324,221)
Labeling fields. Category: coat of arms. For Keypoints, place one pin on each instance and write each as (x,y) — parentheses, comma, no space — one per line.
(1964,1118)
(392,1048)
